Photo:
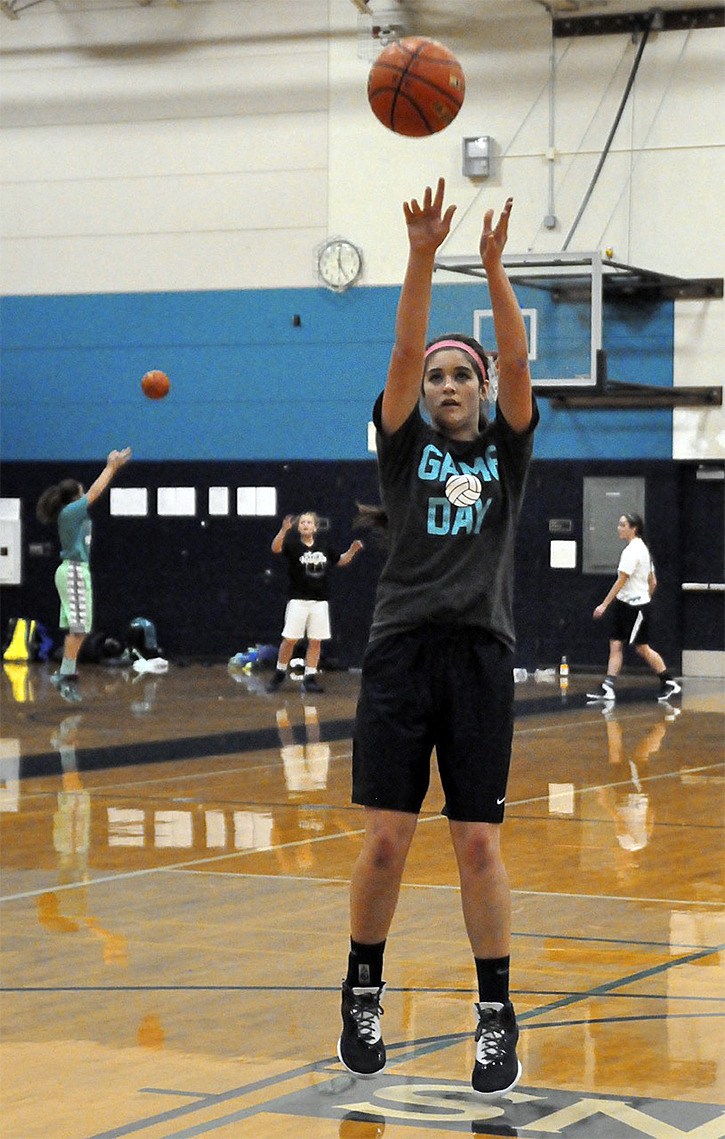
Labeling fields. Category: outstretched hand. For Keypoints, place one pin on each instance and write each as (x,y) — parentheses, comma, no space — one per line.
(428,226)
(116,459)
(493,239)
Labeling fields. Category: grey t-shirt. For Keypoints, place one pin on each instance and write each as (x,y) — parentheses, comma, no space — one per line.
(452,511)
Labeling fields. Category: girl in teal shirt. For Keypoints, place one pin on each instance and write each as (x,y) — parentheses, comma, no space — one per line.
(66,503)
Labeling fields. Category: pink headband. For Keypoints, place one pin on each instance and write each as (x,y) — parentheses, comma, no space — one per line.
(438,344)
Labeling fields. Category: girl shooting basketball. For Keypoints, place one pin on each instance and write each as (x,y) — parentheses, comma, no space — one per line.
(438,670)
(67,505)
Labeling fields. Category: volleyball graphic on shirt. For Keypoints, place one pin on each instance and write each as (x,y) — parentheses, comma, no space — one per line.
(463,490)
(315,563)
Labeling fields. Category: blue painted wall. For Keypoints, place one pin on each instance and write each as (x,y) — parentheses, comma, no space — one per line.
(260,400)
(250,384)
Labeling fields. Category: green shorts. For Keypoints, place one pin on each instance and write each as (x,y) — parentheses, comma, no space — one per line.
(73,582)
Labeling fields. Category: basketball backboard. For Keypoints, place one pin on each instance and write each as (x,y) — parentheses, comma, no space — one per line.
(563,297)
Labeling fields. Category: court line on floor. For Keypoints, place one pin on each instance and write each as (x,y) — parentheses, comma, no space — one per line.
(427,990)
(172,777)
(644,778)
(433,1044)
(178,777)
(455,887)
(183,868)
(208,860)
(222,738)
(400,1053)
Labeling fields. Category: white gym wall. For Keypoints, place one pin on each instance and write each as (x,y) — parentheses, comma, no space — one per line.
(213,144)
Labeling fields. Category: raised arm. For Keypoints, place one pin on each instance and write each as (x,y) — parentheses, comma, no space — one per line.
(114,462)
(514,378)
(353,549)
(428,227)
(278,539)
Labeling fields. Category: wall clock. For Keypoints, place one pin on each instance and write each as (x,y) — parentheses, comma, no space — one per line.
(339,264)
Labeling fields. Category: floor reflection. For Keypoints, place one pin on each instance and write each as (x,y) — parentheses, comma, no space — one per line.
(176,861)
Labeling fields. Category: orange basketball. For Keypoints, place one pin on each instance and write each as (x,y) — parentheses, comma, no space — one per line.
(416,87)
(155,384)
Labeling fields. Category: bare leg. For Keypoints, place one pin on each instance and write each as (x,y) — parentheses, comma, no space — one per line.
(376,875)
(485,892)
(72,645)
(616,654)
(652,658)
(312,657)
(285,653)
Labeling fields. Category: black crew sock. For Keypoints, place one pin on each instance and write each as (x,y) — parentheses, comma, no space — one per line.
(493,979)
(365,964)
(664,676)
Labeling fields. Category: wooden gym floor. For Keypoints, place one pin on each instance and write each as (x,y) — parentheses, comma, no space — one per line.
(176,853)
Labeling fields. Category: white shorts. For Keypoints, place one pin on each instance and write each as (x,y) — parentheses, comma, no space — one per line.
(307,619)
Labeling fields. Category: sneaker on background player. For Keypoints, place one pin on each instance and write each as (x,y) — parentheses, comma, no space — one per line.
(278,679)
(310,683)
(497,1069)
(67,685)
(360,1047)
(605,691)
(668,687)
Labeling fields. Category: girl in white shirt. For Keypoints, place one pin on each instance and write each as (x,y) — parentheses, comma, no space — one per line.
(631,595)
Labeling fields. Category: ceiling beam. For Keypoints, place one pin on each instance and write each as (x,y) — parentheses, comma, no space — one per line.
(620,396)
(657,20)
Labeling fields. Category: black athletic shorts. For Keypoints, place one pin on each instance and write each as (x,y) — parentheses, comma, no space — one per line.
(630,623)
(450,688)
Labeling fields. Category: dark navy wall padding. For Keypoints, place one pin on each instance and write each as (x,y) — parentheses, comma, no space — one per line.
(212,586)
(553,607)
(703,558)
(250,384)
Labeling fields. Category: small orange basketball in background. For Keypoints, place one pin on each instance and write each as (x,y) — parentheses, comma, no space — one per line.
(155,384)
(416,87)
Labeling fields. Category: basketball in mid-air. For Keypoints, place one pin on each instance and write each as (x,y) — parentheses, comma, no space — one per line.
(155,384)
(416,87)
